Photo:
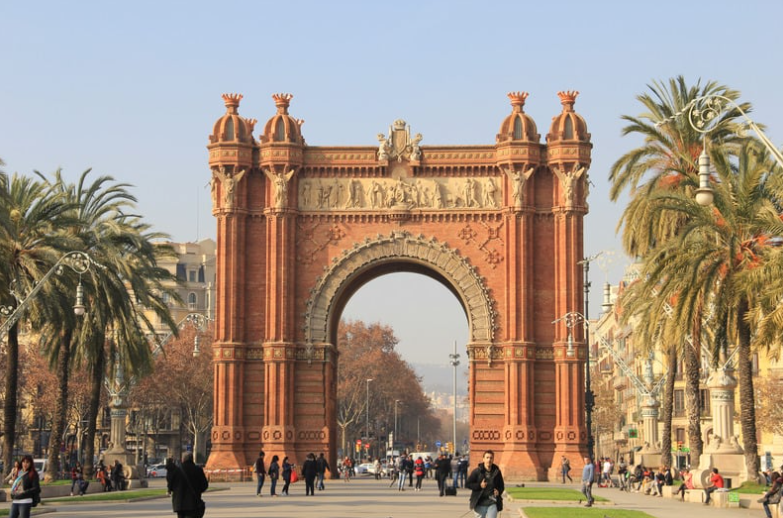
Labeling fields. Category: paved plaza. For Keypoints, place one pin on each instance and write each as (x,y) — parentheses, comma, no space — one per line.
(367,498)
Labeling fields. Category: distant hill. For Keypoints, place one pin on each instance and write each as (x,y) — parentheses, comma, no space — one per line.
(440,378)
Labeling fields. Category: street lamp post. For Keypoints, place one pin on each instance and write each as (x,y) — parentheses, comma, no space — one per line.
(367,411)
(703,114)
(79,262)
(571,320)
(119,388)
(454,357)
(396,401)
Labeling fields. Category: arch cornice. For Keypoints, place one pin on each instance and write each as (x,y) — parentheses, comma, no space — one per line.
(400,245)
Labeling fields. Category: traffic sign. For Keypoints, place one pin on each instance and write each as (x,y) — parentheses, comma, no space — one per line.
(437,444)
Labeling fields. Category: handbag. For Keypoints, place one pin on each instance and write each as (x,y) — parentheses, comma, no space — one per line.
(294,476)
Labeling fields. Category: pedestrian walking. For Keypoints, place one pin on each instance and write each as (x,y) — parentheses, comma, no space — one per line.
(274,474)
(260,470)
(25,489)
(321,466)
(186,483)
(565,469)
(442,470)
(287,468)
(487,486)
(588,476)
(310,470)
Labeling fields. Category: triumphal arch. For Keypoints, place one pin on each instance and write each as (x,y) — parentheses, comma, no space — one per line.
(301,228)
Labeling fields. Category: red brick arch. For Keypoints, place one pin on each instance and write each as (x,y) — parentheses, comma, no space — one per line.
(301,228)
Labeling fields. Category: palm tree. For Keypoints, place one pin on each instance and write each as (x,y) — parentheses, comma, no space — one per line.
(127,280)
(667,161)
(29,247)
(723,252)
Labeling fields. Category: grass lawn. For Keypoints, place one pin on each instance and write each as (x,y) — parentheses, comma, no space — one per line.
(570,512)
(750,487)
(118,496)
(545,493)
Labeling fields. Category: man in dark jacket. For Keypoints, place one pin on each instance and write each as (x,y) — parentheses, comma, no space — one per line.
(487,486)
(442,471)
(186,483)
(321,466)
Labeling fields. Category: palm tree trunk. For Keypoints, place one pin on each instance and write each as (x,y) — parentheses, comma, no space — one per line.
(692,399)
(61,407)
(667,408)
(97,373)
(747,400)
(9,405)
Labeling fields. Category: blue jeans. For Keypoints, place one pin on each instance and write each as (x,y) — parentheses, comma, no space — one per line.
(260,477)
(321,481)
(274,486)
(20,510)
(486,511)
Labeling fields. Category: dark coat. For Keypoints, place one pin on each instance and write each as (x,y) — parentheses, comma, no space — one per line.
(30,486)
(186,492)
(494,480)
(309,469)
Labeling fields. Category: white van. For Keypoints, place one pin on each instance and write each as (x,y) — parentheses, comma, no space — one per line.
(40,466)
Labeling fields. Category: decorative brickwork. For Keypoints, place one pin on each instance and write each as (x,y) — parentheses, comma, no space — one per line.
(301,228)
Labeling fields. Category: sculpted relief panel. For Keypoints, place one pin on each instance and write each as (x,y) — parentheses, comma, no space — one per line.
(378,193)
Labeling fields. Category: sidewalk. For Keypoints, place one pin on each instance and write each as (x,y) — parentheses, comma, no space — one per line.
(367,498)
(655,506)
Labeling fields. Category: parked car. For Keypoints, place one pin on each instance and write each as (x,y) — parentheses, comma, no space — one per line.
(371,469)
(364,469)
(156,471)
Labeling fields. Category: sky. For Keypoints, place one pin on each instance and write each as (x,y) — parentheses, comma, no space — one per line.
(132,89)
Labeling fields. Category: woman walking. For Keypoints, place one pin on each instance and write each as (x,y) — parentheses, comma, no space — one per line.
(287,467)
(25,490)
(14,472)
(274,474)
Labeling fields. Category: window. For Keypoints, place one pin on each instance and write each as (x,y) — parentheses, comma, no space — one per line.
(230,129)
(568,131)
(280,130)
(192,276)
(679,403)
(518,128)
(679,435)
(704,397)
(192,301)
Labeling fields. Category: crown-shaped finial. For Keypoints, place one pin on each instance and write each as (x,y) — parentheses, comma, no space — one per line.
(232,100)
(567,99)
(282,101)
(251,123)
(517,99)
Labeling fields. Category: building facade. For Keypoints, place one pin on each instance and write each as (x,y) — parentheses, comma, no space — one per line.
(301,228)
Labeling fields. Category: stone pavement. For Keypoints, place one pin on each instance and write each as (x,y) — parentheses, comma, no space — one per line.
(364,497)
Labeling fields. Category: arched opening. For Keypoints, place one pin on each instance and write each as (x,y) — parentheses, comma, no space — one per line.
(429,322)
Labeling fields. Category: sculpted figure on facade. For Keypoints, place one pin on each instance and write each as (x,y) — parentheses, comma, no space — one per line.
(518,179)
(489,193)
(383,147)
(228,183)
(377,195)
(306,193)
(415,149)
(470,193)
(280,183)
(568,182)
(354,194)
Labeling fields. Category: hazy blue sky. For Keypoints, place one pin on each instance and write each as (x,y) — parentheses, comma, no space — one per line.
(132,89)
